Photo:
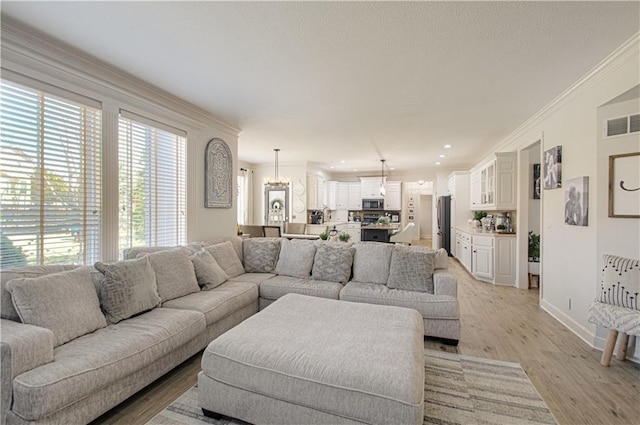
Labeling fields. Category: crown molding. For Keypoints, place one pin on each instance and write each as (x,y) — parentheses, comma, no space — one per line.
(629,50)
(27,50)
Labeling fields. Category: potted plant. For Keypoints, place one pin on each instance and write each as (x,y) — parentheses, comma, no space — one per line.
(324,236)
(534,253)
(477,216)
(344,237)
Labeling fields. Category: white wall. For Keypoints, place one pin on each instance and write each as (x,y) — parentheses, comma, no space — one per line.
(571,255)
(426,217)
(535,205)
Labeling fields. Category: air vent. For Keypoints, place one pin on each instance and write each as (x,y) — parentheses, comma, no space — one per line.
(623,125)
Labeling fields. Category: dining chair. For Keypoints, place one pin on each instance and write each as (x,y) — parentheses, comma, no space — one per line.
(271,231)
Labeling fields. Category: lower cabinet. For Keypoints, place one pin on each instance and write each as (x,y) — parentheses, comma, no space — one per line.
(354,231)
(488,257)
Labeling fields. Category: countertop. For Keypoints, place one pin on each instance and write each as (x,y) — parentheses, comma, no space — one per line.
(476,231)
(380,227)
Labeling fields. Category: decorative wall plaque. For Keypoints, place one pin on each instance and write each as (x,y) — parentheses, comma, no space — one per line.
(218,178)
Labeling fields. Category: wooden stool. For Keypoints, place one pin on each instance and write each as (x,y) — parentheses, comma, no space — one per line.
(621,352)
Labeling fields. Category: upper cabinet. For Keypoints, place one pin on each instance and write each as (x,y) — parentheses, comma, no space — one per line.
(355,196)
(370,187)
(316,193)
(393,197)
(338,195)
(493,183)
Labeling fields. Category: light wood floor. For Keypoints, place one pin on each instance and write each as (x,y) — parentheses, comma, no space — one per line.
(500,323)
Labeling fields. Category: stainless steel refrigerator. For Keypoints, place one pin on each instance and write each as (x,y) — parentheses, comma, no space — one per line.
(444,223)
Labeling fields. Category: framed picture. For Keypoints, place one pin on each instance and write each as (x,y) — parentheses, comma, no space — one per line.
(218,174)
(536,181)
(624,185)
(576,202)
(553,168)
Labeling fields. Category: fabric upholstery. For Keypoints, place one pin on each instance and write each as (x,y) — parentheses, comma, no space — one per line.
(614,317)
(236,242)
(620,282)
(133,253)
(208,272)
(444,283)
(175,275)
(371,262)
(279,286)
(93,361)
(256,278)
(30,346)
(227,258)
(219,302)
(411,269)
(333,262)
(128,288)
(7,310)
(296,259)
(260,254)
(442,259)
(325,355)
(65,303)
(430,306)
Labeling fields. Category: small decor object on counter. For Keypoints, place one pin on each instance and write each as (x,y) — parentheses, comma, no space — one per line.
(576,202)
(218,174)
(477,217)
(324,236)
(344,237)
(553,168)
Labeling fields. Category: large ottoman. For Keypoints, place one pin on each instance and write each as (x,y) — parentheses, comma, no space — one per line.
(308,360)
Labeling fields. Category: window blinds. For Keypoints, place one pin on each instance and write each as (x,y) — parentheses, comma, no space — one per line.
(49,177)
(152,183)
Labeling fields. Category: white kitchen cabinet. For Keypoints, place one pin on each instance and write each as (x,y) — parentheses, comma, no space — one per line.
(463,249)
(342,199)
(316,194)
(354,230)
(505,260)
(370,187)
(332,194)
(493,183)
(355,197)
(458,188)
(393,197)
(490,257)
(322,193)
(482,257)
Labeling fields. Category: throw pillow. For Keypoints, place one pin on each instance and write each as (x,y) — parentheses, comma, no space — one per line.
(442,259)
(129,288)
(333,262)
(260,254)
(226,258)
(175,276)
(620,283)
(208,272)
(296,259)
(411,269)
(371,262)
(65,303)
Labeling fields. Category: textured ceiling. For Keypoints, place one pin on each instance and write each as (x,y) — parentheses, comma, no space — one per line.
(353,82)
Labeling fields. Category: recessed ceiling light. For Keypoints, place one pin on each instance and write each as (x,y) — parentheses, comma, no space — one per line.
(442,156)
(447,146)
(355,169)
(332,167)
(343,162)
(438,163)
(392,168)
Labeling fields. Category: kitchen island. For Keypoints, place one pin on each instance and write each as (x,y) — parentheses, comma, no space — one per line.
(377,232)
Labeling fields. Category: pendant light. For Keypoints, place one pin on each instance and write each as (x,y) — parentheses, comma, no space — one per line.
(276,181)
(383,190)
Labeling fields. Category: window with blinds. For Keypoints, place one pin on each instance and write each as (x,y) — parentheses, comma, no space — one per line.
(49,176)
(152,183)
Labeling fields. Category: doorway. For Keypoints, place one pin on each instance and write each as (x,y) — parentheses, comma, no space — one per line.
(426,218)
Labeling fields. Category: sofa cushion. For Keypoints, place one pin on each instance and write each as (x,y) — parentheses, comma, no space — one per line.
(65,303)
(620,282)
(278,286)
(133,253)
(94,361)
(227,258)
(295,259)
(236,242)
(208,272)
(333,263)
(218,303)
(411,269)
(256,278)
(128,288)
(175,275)
(260,254)
(7,310)
(371,262)
(442,259)
(429,305)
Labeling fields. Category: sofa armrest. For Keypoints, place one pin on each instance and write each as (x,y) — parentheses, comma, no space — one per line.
(444,283)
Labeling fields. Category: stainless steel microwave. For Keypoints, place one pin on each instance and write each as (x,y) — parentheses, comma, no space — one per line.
(373,204)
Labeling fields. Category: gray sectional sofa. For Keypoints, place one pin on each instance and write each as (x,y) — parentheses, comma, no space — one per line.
(76,341)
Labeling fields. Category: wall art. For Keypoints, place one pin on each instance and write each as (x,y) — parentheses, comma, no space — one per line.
(536,181)
(218,175)
(624,185)
(553,168)
(576,201)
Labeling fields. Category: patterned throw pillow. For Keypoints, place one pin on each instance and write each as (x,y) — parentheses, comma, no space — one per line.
(175,276)
(129,287)
(260,254)
(65,303)
(620,284)
(333,263)
(208,272)
(226,258)
(411,269)
(296,258)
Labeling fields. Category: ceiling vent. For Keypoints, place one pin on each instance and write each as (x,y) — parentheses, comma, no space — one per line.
(623,125)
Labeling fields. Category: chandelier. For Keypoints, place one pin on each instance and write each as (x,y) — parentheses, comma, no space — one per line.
(277,180)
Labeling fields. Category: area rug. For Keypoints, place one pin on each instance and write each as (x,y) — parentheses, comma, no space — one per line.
(457,390)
